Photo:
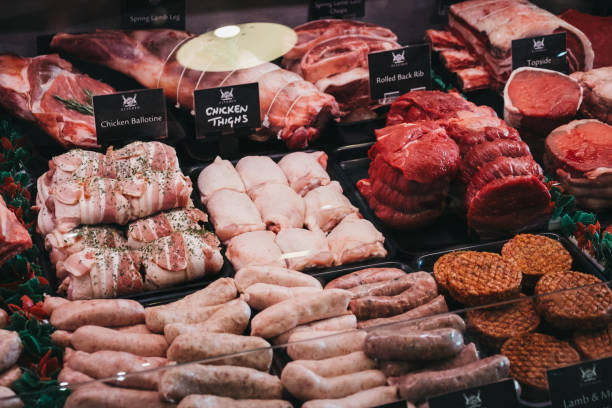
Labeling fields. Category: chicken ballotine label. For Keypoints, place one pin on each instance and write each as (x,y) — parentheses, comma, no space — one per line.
(226,109)
(145,14)
(584,385)
(131,115)
(395,72)
(336,9)
(501,394)
(545,51)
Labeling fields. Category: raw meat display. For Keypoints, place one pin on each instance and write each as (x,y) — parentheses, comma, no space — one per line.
(579,154)
(599,31)
(48,91)
(82,189)
(485,30)
(538,100)
(14,237)
(333,55)
(429,136)
(597,93)
(422,156)
(220,175)
(291,108)
(265,226)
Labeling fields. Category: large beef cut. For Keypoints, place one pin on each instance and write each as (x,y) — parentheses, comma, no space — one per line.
(14,237)
(579,154)
(597,88)
(418,155)
(599,31)
(503,185)
(538,100)
(333,55)
(48,91)
(291,108)
(489,27)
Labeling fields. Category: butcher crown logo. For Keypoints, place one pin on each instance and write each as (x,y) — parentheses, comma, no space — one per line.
(589,374)
(538,45)
(399,58)
(472,401)
(129,101)
(227,96)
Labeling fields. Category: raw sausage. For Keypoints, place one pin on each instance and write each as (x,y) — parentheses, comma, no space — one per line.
(292,312)
(104,396)
(263,295)
(94,338)
(467,355)
(317,345)
(420,287)
(413,345)
(373,397)
(448,320)
(415,387)
(157,319)
(344,322)
(390,287)
(225,381)
(15,402)
(61,338)
(364,277)
(106,364)
(11,375)
(306,385)
(98,312)
(53,302)
(274,275)
(233,317)
(71,377)
(136,328)
(341,365)
(212,401)
(220,291)
(200,346)
(10,349)
(436,306)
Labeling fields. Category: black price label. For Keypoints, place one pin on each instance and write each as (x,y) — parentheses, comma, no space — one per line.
(547,51)
(497,395)
(395,72)
(145,14)
(131,115)
(226,109)
(336,9)
(585,385)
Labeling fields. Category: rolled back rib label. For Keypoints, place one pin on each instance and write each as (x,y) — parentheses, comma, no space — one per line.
(544,51)
(130,115)
(225,109)
(395,72)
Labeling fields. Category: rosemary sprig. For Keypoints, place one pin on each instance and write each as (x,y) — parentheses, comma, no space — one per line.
(81,107)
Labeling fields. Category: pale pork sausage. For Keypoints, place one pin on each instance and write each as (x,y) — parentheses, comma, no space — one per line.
(318,345)
(373,397)
(98,312)
(94,338)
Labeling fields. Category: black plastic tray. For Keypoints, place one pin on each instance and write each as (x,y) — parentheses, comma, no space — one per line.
(194,172)
(450,229)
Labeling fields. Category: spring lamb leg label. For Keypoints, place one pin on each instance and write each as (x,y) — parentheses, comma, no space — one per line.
(584,385)
(544,51)
(145,14)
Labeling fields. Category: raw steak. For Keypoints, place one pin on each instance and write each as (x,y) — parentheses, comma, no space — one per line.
(538,100)
(14,237)
(427,105)
(579,155)
(599,31)
(34,88)
(508,205)
(291,108)
(489,27)
(597,98)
